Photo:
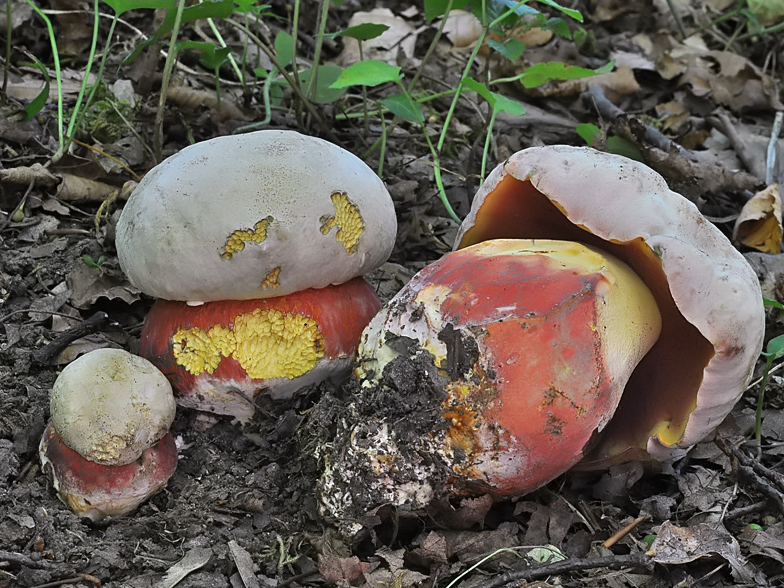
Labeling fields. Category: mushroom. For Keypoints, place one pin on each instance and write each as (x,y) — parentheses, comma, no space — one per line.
(713,320)
(255,217)
(221,354)
(492,373)
(108,446)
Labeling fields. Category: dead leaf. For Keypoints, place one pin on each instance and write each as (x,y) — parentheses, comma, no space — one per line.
(195,558)
(462,28)
(759,224)
(335,568)
(78,188)
(89,284)
(24,175)
(471,512)
(244,563)
(680,545)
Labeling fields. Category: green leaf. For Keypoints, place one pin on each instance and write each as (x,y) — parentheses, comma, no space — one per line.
(478,87)
(216,9)
(370,72)
(648,540)
(575,14)
(327,75)
(245,6)
(775,348)
(120,7)
(773,303)
(541,73)
(620,146)
(363,32)
(588,132)
(754,526)
(284,48)
(504,104)
(495,8)
(401,105)
(511,48)
(211,56)
(558,26)
(436,8)
(37,103)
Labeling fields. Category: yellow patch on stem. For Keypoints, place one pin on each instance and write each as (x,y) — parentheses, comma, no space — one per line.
(236,241)
(267,343)
(348,221)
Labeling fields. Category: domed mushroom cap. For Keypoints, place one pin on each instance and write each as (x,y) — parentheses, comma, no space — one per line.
(712,314)
(254,216)
(110,405)
(96,491)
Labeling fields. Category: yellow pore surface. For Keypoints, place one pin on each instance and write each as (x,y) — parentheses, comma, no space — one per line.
(267,343)
(348,221)
(236,241)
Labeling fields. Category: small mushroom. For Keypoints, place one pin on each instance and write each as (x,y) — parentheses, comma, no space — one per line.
(255,217)
(713,320)
(107,447)
(219,356)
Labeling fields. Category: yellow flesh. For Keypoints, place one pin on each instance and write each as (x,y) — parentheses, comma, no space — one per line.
(236,241)
(266,343)
(348,221)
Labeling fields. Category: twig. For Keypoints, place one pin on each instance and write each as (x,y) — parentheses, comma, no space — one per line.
(723,122)
(611,562)
(621,533)
(97,322)
(770,167)
(751,471)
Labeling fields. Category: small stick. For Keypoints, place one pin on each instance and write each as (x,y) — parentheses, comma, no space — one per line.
(621,533)
(97,322)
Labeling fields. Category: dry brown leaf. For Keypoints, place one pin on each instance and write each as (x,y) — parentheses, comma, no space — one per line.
(680,545)
(462,28)
(759,223)
(24,175)
(191,98)
(336,569)
(78,188)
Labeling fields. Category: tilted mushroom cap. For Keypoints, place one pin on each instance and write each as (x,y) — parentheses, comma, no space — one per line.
(526,347)
(110,405)
(254,216)
(712,314)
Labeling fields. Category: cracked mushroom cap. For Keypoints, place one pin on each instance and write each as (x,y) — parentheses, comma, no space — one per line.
(110,405)
(220,355)
(254,216)
(96,491)
(712,314)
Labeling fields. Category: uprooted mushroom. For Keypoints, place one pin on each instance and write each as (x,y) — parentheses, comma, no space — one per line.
(108,447)
(254,245)
(500,366)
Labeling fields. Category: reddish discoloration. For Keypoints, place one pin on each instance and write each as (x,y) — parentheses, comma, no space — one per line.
(540,381)
(95,491)
(341,312)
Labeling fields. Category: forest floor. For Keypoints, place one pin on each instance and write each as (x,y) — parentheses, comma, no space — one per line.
(241,509)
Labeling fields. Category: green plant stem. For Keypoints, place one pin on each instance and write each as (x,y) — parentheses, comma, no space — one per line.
(294,33)
(58,76)
(294,86)
(82,89)
(486,149)
(764,31)
(311,89)
(8,31)
(760,400)
(382,155)
(157,140)
(219,37)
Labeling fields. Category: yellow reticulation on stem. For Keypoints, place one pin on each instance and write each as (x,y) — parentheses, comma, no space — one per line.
(348,221)
(236,241)
(267,343)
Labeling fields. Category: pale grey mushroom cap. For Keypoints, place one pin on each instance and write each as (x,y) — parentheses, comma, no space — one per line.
(254,216)
(110,405)
(622,203)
